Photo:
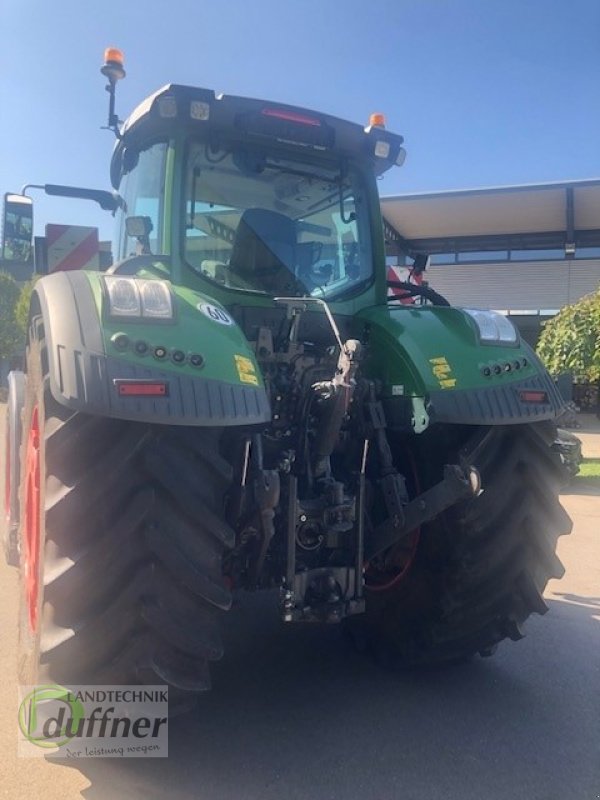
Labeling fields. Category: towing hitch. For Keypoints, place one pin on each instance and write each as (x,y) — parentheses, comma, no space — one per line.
(457,484)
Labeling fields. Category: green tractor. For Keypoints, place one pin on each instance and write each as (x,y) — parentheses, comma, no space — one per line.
(235,405)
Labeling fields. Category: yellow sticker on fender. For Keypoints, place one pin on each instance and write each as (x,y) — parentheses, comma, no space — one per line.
(448,383)
(443,372)
(245,370)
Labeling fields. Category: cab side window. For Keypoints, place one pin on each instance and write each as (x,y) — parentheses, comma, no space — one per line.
(142,189)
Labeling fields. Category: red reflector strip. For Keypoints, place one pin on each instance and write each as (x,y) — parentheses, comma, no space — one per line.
(142,388)
(291,116)
(533,397)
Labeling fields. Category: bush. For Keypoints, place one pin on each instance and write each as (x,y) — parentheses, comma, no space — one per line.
(570,341)
(22,307)
(11,336)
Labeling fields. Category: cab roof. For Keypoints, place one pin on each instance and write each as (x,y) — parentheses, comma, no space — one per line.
(201,112)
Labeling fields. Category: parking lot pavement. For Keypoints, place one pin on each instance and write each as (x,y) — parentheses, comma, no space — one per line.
(296,714)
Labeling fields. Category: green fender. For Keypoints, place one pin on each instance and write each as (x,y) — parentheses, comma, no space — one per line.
(91,356)
(434,368)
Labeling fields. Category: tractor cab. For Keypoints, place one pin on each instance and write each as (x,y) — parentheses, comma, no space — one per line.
(252,199)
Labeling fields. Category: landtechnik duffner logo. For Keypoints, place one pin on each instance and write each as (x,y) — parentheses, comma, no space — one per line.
(93,721)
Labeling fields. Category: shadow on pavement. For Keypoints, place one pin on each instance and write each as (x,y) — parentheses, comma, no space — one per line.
(591,602)
(295,713)
(583,486)
(587,423)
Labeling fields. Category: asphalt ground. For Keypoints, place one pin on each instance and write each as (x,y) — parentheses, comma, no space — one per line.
(297,714)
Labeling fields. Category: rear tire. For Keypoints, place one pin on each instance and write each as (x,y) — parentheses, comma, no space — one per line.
(131,538)
(480,569)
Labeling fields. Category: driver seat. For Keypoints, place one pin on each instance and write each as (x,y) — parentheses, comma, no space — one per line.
(264,250)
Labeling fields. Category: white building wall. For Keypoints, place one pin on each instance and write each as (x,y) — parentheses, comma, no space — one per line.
(516,285)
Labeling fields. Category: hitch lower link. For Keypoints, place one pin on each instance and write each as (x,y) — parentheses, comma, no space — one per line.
(459,483)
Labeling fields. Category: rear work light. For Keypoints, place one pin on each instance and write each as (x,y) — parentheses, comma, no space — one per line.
(135,388)
(199,110)
(532,396)
(382,149)
(167,106)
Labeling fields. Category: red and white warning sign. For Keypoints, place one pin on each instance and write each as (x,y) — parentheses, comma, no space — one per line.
(395,273)
(72,247)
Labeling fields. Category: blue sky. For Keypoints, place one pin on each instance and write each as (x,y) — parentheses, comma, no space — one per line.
(486,92)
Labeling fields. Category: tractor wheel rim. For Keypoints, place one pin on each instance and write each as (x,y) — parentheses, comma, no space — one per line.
(32,518)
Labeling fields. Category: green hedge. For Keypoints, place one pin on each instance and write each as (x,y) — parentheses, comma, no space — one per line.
(570,341)
(11,335)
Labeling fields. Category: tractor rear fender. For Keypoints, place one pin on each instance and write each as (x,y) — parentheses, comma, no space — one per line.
(431,358)
(87,371)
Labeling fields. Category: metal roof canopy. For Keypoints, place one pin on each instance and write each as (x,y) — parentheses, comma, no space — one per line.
(537,216)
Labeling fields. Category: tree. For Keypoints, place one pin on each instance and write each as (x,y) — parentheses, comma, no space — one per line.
(11,337)
(570,341)
(22,306)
